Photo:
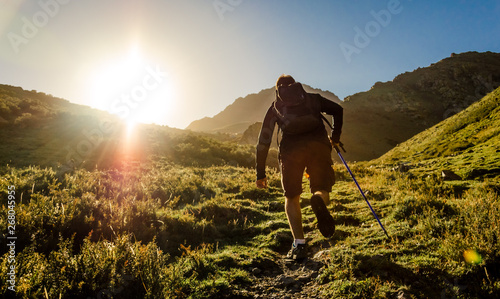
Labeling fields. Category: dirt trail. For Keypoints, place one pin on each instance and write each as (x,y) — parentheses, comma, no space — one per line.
(288,280)
(277,277)
(281,278)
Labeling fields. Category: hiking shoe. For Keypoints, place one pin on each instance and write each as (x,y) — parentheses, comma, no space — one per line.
(297,253)
(326,224)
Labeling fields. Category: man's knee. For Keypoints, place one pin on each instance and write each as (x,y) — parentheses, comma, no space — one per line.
(293,200)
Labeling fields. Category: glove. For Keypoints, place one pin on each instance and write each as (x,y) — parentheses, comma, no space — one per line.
(262,183)
(335,138)
(339,145)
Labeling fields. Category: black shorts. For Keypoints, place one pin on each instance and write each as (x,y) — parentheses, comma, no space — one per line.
(312,156)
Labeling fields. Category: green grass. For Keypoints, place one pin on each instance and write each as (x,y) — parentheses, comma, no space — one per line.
(467,143)
(430,230)
(186,232)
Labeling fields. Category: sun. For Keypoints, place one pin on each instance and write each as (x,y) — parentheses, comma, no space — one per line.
(112,77)
(132,87)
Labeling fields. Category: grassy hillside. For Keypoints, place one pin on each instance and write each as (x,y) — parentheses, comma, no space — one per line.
(162,230)
(21,107)
(467,143)
(38,129)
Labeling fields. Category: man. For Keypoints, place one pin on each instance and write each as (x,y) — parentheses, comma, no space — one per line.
(304,146)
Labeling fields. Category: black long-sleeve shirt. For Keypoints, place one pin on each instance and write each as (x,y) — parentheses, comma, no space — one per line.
(271,119)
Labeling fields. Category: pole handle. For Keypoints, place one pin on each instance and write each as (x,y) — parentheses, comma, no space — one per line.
(337,147)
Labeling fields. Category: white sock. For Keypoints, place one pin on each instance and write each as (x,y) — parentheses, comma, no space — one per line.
(299,241)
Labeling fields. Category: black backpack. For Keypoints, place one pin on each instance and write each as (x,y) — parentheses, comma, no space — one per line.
(297,112)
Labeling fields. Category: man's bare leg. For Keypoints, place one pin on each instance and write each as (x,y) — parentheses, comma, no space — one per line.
(294,215)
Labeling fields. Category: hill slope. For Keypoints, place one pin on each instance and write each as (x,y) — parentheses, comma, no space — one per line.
(389,113)
(468,142)
(207,232)
(39,129)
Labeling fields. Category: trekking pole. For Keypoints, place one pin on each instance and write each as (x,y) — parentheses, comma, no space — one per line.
(354,179)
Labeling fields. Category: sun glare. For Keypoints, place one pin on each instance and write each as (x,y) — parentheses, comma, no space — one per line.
(114,76)
(132,87)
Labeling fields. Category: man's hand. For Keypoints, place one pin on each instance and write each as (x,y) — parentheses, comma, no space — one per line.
(262,183)
(337,145)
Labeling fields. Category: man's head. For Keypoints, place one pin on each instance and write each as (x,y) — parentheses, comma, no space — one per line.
(284,80)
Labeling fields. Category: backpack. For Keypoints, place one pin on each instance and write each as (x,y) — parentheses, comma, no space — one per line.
(297,112)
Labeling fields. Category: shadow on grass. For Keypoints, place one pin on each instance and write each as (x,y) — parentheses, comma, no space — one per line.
(422,283)
(347,220)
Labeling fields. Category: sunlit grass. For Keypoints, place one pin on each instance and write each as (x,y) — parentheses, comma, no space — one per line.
(179,231)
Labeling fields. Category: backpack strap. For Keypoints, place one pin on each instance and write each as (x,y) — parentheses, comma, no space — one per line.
(327,121)
(280,117)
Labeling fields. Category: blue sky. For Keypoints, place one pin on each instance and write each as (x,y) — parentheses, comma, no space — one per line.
(172,62)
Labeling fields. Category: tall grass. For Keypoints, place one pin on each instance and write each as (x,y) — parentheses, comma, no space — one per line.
(129,233)
(161,230)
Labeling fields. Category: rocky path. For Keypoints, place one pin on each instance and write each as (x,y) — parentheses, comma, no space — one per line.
(292,280)
(284,279)
(281,278)
(277,277)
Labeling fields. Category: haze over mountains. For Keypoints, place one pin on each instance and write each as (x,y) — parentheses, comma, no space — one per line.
(389,113)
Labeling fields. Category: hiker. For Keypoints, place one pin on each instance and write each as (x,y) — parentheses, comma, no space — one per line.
(304,146)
